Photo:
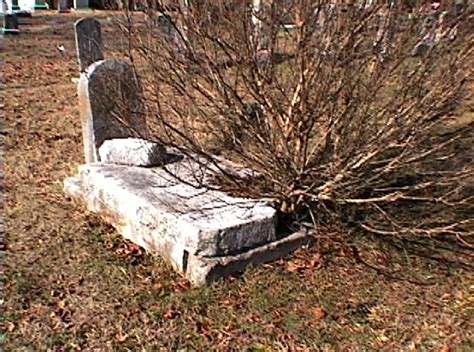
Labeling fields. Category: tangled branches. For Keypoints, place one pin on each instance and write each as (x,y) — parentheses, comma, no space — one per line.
(349,114)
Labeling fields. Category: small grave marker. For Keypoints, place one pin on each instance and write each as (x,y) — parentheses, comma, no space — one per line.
(63,6)
(81,4)
(110,105)
(88,42)
(166,27)
(10,24)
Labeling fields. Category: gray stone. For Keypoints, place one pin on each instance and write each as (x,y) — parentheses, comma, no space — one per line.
(63,5)
(110,105)
(88,42)
(203,233)
(81,4)
(132,151)
(174,35)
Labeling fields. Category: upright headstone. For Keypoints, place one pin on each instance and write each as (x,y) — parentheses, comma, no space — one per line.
(63,6)
(10,24)
(165,25)
(173,36)
(261,25)
(26,6)
(81,4)
(88,42)
(110,104)
(7,7)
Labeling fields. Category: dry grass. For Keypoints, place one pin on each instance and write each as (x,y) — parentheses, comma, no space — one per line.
(73,283)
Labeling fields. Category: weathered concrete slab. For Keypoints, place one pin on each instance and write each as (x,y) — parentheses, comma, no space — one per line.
(203,233)
(206,234)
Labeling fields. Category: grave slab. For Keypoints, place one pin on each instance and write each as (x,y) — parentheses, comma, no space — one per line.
(205,234)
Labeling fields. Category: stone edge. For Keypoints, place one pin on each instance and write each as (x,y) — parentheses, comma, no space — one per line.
(204,270)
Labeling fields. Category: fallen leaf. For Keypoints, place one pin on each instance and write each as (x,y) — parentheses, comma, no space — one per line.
(292,267)
(121,338)
(319,313)
(302,265)
(10,326)
(181,286)
(61,304)
(254,318)
(170,314)
(445,348)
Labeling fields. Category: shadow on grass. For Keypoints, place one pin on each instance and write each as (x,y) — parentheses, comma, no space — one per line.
(420,261)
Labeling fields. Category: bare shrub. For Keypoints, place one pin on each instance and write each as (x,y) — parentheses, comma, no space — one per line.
(348,116)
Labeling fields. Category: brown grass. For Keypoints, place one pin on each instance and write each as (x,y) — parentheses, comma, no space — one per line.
(72,283)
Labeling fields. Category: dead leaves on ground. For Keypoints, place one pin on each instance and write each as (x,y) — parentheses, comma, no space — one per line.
(121,338)
(301,264)
(319,313)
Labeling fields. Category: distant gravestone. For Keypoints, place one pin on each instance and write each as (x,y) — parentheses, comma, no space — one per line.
(6,7)
(173,34)
(26,6)
(81,4)
(10,24)
(110,105)
(88,42)
(165,27)
(63,6)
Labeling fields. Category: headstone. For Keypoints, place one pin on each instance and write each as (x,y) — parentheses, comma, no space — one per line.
(174,35)
(10,24)
(261,25)
(81,4)
(88,42)
(26,6)
(165,26)
(262,34)
(110,105)
(63,6)
(7,6)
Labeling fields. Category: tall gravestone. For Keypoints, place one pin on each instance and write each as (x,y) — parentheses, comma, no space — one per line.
(63,6)
(165,26)
(88,42)
(261,24)
(172,35)
(110,104)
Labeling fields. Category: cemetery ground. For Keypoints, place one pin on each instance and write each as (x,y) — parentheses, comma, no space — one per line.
(73,283)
